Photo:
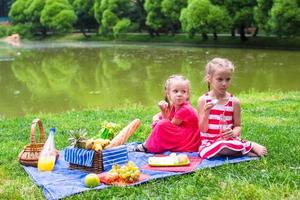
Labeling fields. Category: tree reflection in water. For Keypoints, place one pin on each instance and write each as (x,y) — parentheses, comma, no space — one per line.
(60,79)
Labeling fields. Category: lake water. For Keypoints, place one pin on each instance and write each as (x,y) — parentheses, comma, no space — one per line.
(55,77)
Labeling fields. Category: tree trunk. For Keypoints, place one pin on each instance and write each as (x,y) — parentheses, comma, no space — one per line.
(233,32)
(173,30)
(204,36)
(44,32)
(242,33)
(255,33)
(215,36)
(150,31)
(82,30)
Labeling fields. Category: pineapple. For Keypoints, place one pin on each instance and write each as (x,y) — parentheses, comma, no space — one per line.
(78,138)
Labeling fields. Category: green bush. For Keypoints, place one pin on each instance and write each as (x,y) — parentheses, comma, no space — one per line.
(121,27)
(3,31)
(24,30)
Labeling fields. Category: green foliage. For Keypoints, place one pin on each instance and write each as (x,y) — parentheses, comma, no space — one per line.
(171,10)
(109,20)
(121,27)
(33,12)
(111,13)
(155,18)
(262,14)
(17,12)
(58,15)
(85,14)
(204,17)
(3,31)
(285,17)
(23,30)
(98,11)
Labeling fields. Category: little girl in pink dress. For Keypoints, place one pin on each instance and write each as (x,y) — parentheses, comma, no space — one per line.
(175,128)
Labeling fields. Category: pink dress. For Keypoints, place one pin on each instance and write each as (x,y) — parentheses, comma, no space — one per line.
(212,142)
(166,136)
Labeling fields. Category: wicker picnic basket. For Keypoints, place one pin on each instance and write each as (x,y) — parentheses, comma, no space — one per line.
(97,166)
(117,141)
(30,154)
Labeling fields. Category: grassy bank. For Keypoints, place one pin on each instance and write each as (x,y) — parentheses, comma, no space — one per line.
(184,40)
(270,118)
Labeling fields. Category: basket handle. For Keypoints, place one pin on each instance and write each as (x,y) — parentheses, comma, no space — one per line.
(41,129)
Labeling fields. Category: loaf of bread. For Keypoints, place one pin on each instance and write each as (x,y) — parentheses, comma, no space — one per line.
(124,134)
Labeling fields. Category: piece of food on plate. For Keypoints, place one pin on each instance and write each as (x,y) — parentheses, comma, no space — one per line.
(171,160)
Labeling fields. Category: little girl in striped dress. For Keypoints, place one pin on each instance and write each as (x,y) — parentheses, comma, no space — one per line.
(219,116)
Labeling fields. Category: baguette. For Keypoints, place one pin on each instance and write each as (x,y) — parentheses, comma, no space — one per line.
(124,134)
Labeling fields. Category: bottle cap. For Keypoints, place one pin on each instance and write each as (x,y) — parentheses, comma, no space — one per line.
(52,129)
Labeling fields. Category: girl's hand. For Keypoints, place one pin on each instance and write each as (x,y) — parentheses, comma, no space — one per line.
(163,105)
(208,106)
(228,133)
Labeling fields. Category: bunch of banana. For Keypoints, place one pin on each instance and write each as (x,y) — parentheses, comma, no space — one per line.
(97,144)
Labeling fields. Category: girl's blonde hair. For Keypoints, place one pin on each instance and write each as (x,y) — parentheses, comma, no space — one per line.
(217,63)
(173,78)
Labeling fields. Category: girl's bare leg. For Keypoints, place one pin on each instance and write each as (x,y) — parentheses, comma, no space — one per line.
(228,152)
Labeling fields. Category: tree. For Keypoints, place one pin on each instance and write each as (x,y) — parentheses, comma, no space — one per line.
(241,13)
(262,15)
(17,11)
(25,16)
(85,14)
(33,15)
(171,9)
(138,15)
(58,15)
(155,18)
(285,17)
(204,17)
(194,17)
(121,26)
(111,13)
(218,20)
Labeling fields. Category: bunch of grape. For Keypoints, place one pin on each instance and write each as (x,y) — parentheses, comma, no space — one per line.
(129,172)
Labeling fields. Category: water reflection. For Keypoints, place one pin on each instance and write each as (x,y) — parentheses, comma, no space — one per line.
(57,79)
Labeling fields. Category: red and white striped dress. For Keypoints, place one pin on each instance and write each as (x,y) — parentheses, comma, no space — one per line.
(212,142)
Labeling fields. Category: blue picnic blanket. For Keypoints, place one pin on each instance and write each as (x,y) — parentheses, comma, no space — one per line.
(63,182)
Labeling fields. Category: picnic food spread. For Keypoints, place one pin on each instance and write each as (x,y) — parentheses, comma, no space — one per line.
(171,160)
(128,173)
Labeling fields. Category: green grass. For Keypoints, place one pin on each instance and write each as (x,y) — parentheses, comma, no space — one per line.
(184,40)
(270,118)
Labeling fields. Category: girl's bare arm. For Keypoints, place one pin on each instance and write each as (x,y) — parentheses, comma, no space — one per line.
(203,113)
(237,129)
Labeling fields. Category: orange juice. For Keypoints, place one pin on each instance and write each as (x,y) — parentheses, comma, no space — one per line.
(46,163)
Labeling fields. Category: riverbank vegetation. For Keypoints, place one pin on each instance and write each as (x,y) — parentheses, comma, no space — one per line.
(155,17)
(270,118)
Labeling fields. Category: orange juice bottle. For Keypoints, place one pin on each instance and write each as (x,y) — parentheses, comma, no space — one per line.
(46,163)
(47,156)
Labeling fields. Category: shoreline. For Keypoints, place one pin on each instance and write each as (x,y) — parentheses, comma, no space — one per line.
(181,40)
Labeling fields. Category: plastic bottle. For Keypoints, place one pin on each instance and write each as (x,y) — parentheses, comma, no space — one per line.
(48,154)
(223,125)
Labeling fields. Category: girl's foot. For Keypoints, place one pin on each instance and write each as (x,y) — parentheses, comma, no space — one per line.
(140,148)
(259,150)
